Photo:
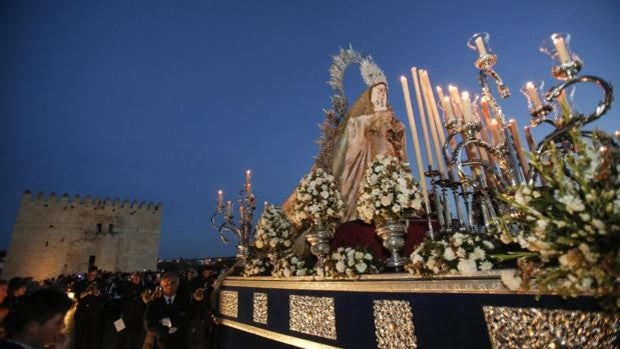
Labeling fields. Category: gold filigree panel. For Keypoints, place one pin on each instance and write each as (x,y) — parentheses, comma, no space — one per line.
(548,328)
(312,315)
(259,309)
(394,324)
(229,303)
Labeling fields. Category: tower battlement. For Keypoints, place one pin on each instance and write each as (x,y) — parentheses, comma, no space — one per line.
(65,200)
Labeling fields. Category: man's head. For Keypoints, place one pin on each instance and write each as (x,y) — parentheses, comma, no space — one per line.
(135,278)
(17,287)
(169,283)
(92,273)
(39,318)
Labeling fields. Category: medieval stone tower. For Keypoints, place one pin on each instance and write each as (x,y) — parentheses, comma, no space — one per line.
(55,236)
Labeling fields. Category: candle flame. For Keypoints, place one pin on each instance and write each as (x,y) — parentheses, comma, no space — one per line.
(465,95)
(403,78)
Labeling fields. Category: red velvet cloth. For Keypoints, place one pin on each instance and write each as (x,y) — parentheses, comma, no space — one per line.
(359,234)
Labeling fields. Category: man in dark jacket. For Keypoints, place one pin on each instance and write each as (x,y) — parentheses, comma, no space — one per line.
(132,313)
(169,315)
(89,313)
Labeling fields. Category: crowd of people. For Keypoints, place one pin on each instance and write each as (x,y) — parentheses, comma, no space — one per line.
(105,310)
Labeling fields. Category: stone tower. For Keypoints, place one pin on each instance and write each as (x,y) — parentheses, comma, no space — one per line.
(63,235)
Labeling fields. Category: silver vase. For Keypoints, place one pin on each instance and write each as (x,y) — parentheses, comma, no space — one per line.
(242,254)
(393,235)
(319,243)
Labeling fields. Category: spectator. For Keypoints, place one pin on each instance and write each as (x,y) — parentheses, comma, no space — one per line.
(169,315)
(37,321)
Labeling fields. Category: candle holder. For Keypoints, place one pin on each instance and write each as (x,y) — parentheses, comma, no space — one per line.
(568,64)
(557,47)
(243,229)
(538,108)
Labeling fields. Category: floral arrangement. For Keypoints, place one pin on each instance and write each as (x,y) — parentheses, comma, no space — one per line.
(273,230)
(318,200)
(257,267)
(349,262)
(458,253)
(569,228)
(388,191)
(290,265)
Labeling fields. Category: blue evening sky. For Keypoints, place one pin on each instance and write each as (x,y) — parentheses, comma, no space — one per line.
(170,101)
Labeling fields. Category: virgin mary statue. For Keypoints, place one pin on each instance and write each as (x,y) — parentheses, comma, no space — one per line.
(369,129)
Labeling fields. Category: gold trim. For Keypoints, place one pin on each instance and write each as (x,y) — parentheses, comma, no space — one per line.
(471,285)
(278,337)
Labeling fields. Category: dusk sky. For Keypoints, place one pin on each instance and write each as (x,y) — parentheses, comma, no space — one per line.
(170,101)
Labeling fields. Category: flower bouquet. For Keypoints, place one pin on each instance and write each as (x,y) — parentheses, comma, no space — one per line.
(458,253)
(349,262)
(318,200)
(273,230)
(570,227)
(290,265)
(388,192)
(257,267)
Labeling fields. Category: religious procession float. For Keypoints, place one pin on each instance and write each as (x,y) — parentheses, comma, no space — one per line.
(486,245)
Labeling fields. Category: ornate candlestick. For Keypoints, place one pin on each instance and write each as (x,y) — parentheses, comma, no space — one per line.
(242,230)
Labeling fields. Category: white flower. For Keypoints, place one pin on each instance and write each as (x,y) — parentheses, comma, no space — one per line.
(361,267)
(478,254)
(367,256)
(461,252)
(448,254)
(340,266)
(467,267)
(486,265)
(511,280)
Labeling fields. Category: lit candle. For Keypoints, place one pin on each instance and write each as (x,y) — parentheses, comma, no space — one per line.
(512,125)
(617,133)
(427,143)
(248,176)
(416,140)
(456,100)
(529,138)
(447,107)
(560,47)
(532,93)
(248,188)
(220,198)
(480,46)
(241,212)
(467,112)
(229,208)
(265,206)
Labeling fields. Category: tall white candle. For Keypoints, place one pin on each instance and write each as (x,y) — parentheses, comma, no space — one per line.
(512,125)
(220,198)
(456,101)
(248,176)
(416,141)
(466,102)
(560,47)
(480,46)
(531,92)
(433,118)
(427,144)
(229,208)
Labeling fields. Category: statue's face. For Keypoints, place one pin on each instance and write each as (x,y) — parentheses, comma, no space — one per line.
(378,96)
